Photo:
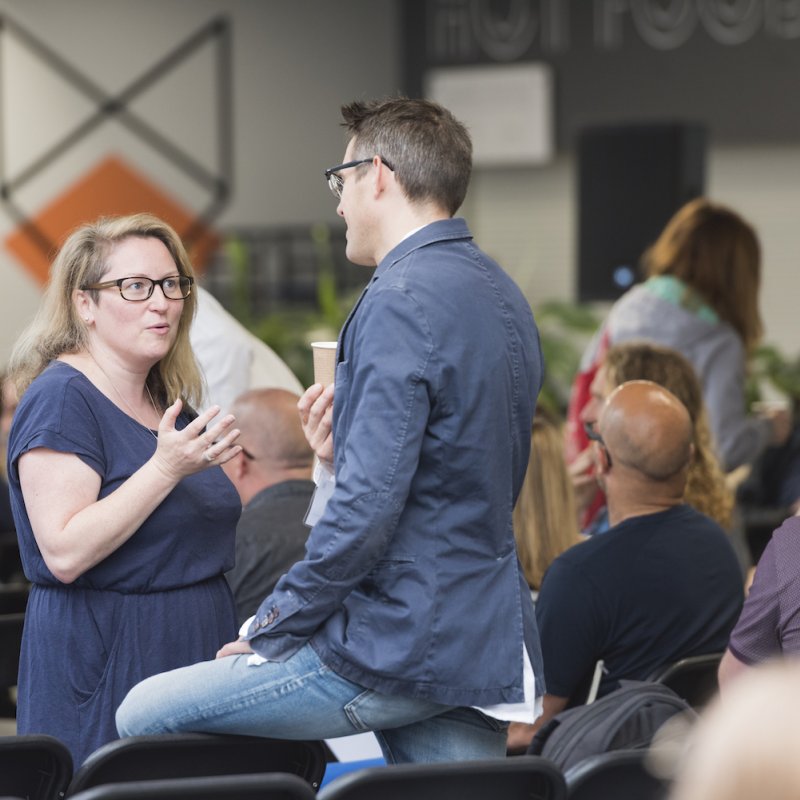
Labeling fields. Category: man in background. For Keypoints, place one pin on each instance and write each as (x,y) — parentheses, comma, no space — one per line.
(661,584)
(272,475)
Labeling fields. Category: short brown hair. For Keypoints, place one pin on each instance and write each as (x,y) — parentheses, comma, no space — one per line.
(428,149)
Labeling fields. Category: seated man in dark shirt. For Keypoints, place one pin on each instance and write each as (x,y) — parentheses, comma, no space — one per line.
(663,583)
(273,477)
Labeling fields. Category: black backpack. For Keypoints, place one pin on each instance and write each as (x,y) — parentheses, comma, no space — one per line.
(625,719)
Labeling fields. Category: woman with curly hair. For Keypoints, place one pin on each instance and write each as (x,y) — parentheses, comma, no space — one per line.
(706,489)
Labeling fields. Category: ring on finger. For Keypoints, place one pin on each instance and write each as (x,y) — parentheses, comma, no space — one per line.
(207,456)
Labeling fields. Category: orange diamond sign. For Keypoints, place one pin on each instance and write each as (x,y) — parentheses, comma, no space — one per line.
(112,188)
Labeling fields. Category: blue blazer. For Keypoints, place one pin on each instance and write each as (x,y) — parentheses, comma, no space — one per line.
(411,583)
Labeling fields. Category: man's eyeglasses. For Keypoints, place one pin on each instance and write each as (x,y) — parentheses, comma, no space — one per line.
(136,290)
(596,437)
(335,182)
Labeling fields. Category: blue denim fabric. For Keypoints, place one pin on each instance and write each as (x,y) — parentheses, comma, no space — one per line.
(411,585)
(301,698)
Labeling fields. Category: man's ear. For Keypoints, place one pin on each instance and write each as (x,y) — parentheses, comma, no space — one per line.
(381,176)
(601,460)
(236,468)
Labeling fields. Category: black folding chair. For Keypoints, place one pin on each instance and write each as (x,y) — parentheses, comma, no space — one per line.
(693,678)
(10,643)
(272,786)
(35,767)
(195,755)
(514,778)
(615,775)
(14,597)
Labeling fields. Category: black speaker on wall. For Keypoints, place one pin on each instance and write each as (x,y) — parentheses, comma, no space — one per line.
(631,180)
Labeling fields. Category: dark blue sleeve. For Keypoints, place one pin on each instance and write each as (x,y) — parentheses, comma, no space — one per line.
(389,406)
(571,627)
(56,415)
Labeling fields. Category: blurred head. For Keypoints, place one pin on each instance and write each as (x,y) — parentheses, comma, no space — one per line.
(632,361)
(715,252)
(647,434)
(545,516)
(706,489)
(82,261)
(745,745)
(429,150)
(274,446)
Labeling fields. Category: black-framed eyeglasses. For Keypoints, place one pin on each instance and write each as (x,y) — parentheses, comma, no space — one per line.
(596,437)
(137,290)
(335,182)
(247,454)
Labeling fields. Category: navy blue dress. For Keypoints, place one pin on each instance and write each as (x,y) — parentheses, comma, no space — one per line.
(158,602)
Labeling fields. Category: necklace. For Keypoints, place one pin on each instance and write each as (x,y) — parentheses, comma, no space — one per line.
(121,397)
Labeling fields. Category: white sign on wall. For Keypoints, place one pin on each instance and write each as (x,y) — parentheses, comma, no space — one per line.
(507,108)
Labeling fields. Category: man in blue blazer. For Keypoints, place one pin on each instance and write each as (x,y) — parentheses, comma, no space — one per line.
(410,615)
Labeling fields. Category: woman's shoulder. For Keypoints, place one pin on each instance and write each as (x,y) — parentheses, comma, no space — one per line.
(58,389)
(56,380)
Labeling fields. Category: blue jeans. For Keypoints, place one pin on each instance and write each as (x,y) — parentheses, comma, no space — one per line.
(301,698)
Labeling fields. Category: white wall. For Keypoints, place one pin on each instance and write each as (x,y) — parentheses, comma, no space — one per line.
(526,218)
(295,62)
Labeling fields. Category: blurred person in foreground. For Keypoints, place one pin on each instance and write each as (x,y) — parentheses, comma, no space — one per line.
(410,615)
(125,520)
(272,474)
(745,744)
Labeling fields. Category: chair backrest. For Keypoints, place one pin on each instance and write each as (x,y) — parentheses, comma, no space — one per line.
(194,755)
(269,786)
(33,766)
(10,643)
(514,778)
(693,678)
(613,775)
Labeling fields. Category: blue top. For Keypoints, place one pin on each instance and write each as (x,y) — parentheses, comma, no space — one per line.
(649,591)
(411,584)
(158,602)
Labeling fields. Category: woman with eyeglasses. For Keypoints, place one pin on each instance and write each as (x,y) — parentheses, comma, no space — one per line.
(125,521)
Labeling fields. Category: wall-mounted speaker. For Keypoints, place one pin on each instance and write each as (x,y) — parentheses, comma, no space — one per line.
(631,180)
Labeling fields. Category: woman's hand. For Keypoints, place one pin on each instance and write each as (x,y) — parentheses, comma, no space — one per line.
(197,446)
(316,417)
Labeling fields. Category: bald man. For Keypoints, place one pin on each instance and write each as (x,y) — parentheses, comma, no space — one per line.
(661,584)
(273,477)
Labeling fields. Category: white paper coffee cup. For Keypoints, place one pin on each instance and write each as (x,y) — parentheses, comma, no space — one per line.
(324,362)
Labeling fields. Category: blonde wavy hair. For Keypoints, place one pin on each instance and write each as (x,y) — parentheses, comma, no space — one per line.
(545,516)
(717,254)
(82,261)
(706,489)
